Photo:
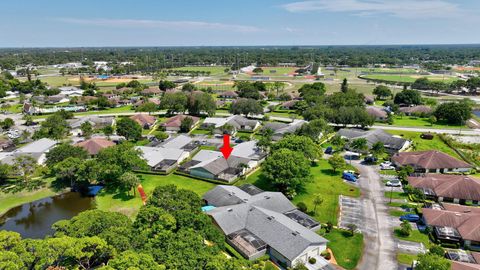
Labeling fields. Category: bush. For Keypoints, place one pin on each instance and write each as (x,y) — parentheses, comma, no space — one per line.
(312,260)
(325,254)
(302,207)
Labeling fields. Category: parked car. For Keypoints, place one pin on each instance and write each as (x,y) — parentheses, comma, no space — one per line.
(349,177)
(329,150)
(356,174)
(394,183)
(370,159)
(410,217)
(387,165)
(352,156)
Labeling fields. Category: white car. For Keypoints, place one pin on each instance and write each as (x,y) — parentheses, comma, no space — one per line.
(387,165)
(394,183)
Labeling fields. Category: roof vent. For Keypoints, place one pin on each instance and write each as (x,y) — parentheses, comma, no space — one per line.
(230,210)
(295,233)
(267,197)
(458,214)
(271,218)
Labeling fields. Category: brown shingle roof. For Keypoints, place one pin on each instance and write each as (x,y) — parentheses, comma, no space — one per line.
(228,94)
(176,120)
(151,91)
(466,223)
(449,186)
(143,119)
(429,160)
(464,266)
(376,112)
(416,109)
(94,145)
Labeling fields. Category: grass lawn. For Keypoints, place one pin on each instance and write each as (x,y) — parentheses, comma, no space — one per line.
(128,205)
(214,70)
(415,236)
(422,122)
(408,77)
(325,183)
(406,259)
(199,132)
(347,249)
(10,200)
(396,195)
(240,134)
(421,144)
(388,172)
(399,213)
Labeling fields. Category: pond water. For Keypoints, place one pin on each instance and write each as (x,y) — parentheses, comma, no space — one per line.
(476,113)
(35,219)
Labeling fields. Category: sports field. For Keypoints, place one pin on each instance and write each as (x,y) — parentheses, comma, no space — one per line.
(214,70)
(408,78)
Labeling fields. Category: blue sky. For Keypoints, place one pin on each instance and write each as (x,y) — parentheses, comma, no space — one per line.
(57,23)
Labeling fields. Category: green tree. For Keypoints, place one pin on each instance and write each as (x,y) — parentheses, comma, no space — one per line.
(201,102)
(360,144)
(147,107)
(337,162)
(107,130)
(437,250)
(189,87)
(174,102)
(405,228)
(129,260)
(378,149)
(408,97)
(382,92)
(8,123)
(54,127)
(317,201)
(87,129)
(186,124)
(279,87)
(344,86)
(129,128)
(314,129)
(66,171)
(25,166)
(301,144)
(5,171)
(246,107)
(64,151)
(431,261)
(432,119)
(453,112)
(129,181)
(287,170)
(165,85)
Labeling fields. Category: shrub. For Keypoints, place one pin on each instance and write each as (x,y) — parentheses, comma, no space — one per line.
(312,260)
(302,207)
(325,254)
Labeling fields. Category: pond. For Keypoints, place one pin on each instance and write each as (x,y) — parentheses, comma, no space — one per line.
(35,219)
(476,113)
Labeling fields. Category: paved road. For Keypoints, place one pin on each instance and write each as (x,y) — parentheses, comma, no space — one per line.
(379,250)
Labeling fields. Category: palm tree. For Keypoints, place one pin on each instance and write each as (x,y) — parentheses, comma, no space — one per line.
(316,202)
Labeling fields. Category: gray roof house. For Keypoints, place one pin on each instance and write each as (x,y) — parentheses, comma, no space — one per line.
(36,149)
(391,143)
(282,129)
(238,122)
(161,159)
(266,222)
(183,142)
(95,121)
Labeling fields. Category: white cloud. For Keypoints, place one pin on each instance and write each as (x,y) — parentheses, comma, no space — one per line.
(177,25)
(402,9)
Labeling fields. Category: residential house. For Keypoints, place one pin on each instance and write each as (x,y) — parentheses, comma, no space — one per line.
(110,95)
(289,105)
(420,110)
(151,91)
(36,149)
(144,120)
(453,223)
(97,122)
(448,188)
(392,144)
(174,123)
(94,145)
(463,260)
(237,122)
(431,161)
(280,130)
(266,223)
(71,91)
(378,113)
(162,159)
(249,150)
(5,143)
(183,142)
(228,95)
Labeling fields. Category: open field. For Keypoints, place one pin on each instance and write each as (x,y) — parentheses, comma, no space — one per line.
(346,248)
(408,78)
(408,121)
(215,70)
(420,144)
(326,184)
(57,81)
(415,236)
(129,205)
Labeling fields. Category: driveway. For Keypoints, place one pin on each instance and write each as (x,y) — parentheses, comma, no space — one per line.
(380,246)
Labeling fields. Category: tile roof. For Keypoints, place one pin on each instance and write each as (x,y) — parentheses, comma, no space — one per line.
(95,145)
(449,186)
(176,120)
(376,112)
(466,222)
(143,119)
(464,266)
(431,159)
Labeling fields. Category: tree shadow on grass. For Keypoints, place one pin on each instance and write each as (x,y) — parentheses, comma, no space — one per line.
(330,172)
(263,183)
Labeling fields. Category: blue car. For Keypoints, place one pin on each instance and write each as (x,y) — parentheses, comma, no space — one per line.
(410,218)
(329,150)
(349,177)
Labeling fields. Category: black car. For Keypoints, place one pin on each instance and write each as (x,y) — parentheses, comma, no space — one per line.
(370,159)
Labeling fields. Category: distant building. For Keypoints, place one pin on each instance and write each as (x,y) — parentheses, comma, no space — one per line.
(144,120)
(174,123)
(430,162)
(94,145)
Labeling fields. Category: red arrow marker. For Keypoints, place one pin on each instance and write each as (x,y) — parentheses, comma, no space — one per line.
(226,149)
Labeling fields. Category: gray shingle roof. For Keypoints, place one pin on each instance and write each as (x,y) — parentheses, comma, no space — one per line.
(373,136)
(225,195)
